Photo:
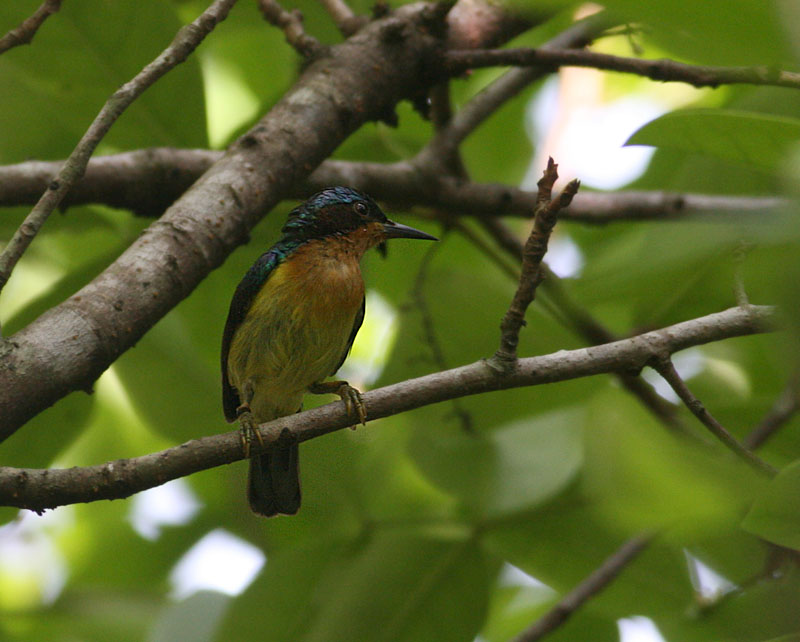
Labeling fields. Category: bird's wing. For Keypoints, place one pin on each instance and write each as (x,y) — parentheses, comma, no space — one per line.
(356,327)
(246,291)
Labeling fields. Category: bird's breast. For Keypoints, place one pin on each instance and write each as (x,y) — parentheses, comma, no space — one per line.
(298,326)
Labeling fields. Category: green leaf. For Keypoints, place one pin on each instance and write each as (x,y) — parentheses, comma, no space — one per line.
(724,32)
(389,586)
(758,140)
(513,608)
(775,515)
(644,478)
(508,470)
(82,55)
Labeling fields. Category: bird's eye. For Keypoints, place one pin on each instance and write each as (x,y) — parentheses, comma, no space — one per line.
(360,208)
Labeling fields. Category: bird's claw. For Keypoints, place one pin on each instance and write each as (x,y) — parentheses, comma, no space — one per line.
(247,429)
(353,403)
(351,397)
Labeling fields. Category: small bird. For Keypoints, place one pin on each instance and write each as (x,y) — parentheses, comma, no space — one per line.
(292,321)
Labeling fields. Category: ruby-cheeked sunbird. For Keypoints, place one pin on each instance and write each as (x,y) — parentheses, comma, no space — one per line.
(291,323)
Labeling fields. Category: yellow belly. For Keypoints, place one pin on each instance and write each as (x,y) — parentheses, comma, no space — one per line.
(296,330)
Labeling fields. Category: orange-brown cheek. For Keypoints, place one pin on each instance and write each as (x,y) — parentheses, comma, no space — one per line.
(368,236)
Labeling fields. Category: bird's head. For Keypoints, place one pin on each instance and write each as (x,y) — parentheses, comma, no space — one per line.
(343,211)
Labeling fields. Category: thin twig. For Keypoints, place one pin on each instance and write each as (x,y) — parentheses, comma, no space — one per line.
(291,23)
(586,590)
(785,406)
(184,43)
(343,16)
(573,315)
(739,256)
(47,488)
(535,248)
(23,33)
(441,113)
(664,70)
(666,369)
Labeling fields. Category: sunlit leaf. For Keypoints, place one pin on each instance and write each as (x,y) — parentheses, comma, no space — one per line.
(758,140)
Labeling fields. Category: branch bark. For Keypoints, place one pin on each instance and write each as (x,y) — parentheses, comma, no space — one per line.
(147,181)
(23,33)
(546,214)
(41,489)
(664,70)
(291,23)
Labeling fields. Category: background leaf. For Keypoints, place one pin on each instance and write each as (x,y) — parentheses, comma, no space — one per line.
(757,140)
(775,515)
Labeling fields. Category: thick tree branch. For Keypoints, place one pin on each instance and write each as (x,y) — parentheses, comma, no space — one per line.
(591,586)
(69,346)
(664,70)
(185,42)
(23,33)
(41,489)
(148,181)
(145,181)
(663,365)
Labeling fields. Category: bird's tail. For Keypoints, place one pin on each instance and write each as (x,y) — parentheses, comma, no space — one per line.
(274,484)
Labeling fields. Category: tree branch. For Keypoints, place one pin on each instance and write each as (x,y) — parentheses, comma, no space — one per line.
(148,181)
(23,33)
(546,214)
(145,181)
(446,140)
(41,489)
(586,326)
(69,346)
(291,23)
(591,586)
(663,365)
(664,70)
(184,43)
(343,16)
(785,406)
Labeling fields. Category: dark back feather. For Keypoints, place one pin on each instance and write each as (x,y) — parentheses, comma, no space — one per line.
(243,297)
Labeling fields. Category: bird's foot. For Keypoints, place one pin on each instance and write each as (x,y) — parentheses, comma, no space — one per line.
(353,402)
(247,429)
(351,397)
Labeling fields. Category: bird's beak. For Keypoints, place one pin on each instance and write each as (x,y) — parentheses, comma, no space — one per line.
(399,231)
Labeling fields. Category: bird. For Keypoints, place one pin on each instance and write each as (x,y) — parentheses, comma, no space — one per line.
(292,321)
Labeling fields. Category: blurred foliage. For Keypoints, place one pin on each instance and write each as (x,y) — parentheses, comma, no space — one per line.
(430,525)
(756,140)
